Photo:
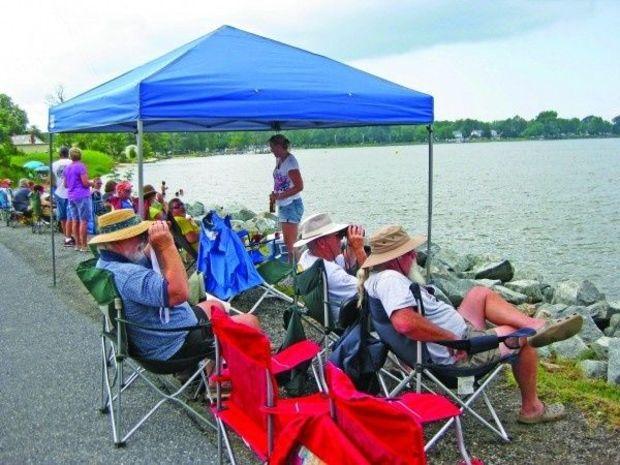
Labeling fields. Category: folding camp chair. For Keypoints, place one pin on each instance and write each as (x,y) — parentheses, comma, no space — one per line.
(117,355)
(312,288)
(415,362)
(253,410)
(191,255)
(227,267)
(389,430)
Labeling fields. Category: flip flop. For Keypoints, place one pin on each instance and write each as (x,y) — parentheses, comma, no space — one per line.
(556,330)
(551,412)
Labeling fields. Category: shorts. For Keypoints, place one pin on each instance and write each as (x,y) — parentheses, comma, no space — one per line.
(61,208)
(481,358)
(198,341)
(292,212)
(81,209)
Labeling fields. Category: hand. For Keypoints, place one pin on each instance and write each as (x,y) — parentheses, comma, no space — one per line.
(355,237)
(159,236)
(459,355)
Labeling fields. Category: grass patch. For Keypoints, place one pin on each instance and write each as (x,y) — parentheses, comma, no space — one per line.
(599,401)
(97,163)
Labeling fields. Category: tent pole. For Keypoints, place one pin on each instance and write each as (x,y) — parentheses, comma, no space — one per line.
(52,218)
(139,137)
(430,200)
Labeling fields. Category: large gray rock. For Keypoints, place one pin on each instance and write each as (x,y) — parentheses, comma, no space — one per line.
(452,261)
(529,287)
(593,369)
(488,282)
(601,347)
(613,330)
(549,311)
(601,312)
(502,270)
(547,292)
(614,307)
(515,298)
(576,293)
(454,289)
(613,367)
(571,348)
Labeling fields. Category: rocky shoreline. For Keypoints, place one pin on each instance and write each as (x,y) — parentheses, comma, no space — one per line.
(574,441)
(597,346)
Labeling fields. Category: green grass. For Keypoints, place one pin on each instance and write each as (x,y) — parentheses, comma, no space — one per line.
(98,163)
(599,401)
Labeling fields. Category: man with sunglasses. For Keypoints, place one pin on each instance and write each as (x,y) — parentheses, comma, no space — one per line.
(324,240)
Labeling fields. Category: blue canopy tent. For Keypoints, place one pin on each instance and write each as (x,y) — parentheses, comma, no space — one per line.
(232,80)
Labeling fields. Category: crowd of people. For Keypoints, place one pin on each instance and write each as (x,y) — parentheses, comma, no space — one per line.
(378,270)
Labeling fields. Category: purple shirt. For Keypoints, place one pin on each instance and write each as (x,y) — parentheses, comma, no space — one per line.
(73,181)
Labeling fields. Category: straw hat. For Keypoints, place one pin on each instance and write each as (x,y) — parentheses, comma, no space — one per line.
(316,226)
(389,243)
(148,190)
(119,225)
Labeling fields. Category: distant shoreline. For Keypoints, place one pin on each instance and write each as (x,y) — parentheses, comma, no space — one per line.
(342,146)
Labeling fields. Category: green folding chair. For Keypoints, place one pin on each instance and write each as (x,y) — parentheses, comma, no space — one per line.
(117,357)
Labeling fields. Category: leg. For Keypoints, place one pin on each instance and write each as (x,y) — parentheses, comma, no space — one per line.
(482,304)
(289,230)
(525,374)
(83,225)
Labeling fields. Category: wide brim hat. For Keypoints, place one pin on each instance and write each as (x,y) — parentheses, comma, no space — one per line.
(148,190)
(119,225)
(391,242)
(316,226)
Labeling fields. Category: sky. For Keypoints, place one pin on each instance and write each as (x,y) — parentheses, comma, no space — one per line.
(479,59)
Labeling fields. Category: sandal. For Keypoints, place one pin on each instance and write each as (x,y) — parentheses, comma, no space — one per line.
(551,412)
(556,330)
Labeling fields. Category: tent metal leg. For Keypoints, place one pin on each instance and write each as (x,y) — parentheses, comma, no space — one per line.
(52,221)
(430,200)
(139,137)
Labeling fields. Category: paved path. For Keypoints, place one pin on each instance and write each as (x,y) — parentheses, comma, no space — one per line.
(50,382)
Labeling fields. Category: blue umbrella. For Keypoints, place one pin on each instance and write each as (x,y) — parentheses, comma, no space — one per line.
(31,165)
(41,169)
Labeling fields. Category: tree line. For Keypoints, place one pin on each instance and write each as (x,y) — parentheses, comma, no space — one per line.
(546,125)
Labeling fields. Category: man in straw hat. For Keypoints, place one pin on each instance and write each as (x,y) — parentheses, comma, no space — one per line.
(150,298)
(324,238)
(392,256)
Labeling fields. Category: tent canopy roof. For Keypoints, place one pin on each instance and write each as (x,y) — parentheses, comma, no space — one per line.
(234,80)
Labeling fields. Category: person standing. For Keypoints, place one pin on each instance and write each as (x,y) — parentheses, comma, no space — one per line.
(60,193)
(80,204)
(287,185)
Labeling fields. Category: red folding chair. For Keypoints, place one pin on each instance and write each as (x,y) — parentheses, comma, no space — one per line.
(253,410)
(389,430)
(320,435)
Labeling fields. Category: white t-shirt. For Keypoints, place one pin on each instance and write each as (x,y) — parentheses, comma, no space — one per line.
(282,181)
(392,289)
(58,168)
(341,285)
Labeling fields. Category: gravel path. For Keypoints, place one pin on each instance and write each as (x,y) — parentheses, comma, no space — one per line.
(53,421)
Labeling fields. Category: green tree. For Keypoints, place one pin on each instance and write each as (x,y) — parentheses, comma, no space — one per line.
(13,120)
(616,126)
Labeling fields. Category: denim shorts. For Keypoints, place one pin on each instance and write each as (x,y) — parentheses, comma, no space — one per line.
(61,208)
(292,212)
(80,209)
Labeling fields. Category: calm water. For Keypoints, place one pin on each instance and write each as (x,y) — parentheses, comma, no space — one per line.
(552,207)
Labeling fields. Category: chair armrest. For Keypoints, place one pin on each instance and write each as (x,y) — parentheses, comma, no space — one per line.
(484,343)
(149,328)
(293,356)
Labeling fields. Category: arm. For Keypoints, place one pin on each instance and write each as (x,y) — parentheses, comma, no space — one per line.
(298,182)
(84,179)
(411,324)
(170,263)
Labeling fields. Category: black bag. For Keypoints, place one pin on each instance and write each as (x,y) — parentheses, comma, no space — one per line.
(293,381)
(360,355)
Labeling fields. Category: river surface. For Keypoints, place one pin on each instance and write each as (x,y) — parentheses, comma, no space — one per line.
(551,207)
